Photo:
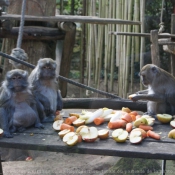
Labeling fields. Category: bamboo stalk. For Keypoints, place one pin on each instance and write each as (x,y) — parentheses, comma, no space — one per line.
(82,19)
(106,51)
(136,29)
(128,53)
(113,8)
(142,42)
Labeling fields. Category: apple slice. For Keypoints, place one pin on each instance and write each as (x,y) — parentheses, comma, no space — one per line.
(57,124)
(1,132)
(120,135)
(103,133)
(171,134)
(80,127)
(140,121)
(78,122)
(131,96)
(172,123)
(74,114)
(63,132)
(71,138)
(135,136)
(89,134)
(164,118)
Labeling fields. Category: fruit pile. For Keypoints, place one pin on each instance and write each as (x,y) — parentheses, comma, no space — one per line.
(124,124)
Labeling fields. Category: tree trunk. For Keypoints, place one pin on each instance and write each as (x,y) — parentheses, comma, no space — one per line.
(34,49)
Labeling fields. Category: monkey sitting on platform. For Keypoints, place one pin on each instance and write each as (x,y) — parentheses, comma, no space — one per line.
(17,104)
(45,88)
(161,90)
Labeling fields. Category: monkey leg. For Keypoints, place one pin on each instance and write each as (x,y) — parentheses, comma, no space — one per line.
(21,129)
(4,123)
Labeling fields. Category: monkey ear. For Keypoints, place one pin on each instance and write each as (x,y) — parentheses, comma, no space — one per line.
(155,70)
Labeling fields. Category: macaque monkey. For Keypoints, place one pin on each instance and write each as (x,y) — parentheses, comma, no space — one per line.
(45,88)
(18,108)
(161,90)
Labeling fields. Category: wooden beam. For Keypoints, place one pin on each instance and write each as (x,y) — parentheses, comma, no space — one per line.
(69,18)
(163,35)
(34,33)
(155,48)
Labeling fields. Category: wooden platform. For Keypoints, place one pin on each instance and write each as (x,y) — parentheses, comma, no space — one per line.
(48,140)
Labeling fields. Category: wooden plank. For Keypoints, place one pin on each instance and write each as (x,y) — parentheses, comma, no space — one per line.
(155,48)
(69,18)
(34,33)
(92,103)
(163,35)
(48,140)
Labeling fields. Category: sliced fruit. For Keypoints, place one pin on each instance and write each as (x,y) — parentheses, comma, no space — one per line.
(80,127)
(103,133)
(144,134)
(172,123)
(63,132)
(120,135)
(1,132)
(71,138)
(58,117)
(135,136)
(78,122)
(164,118)
(66,126)
(171,134)
(126,109)
(89,134)
(140,121)
(131,96)
(74,114)
(57,124)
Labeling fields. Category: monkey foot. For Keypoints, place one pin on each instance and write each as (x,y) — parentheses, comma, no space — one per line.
(39,125)
(21,129)
(7,135)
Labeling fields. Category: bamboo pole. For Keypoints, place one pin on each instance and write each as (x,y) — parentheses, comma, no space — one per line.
(136,29)
(128,52)
(69,18)
(113,8)
(142,42)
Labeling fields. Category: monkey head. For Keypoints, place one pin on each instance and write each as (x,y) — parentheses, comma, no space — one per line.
(16,80)
(148,73)
(46,68)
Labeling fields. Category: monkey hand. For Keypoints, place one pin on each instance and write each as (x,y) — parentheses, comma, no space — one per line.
(133,97)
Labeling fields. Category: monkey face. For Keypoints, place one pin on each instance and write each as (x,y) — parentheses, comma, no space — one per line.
(148,73)
(46,68)
(17,80)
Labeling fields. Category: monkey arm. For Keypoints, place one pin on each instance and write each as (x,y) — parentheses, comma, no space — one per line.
(59,101)
(142,92)
(149,97)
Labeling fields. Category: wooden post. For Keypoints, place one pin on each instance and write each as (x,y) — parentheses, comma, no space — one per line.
(155,48)
(172,39)
(35,49)
(69,40)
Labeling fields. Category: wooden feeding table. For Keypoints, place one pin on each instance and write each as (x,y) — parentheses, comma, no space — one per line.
(48,140)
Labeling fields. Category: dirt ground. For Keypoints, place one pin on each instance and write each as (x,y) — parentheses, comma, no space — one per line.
(51,163)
